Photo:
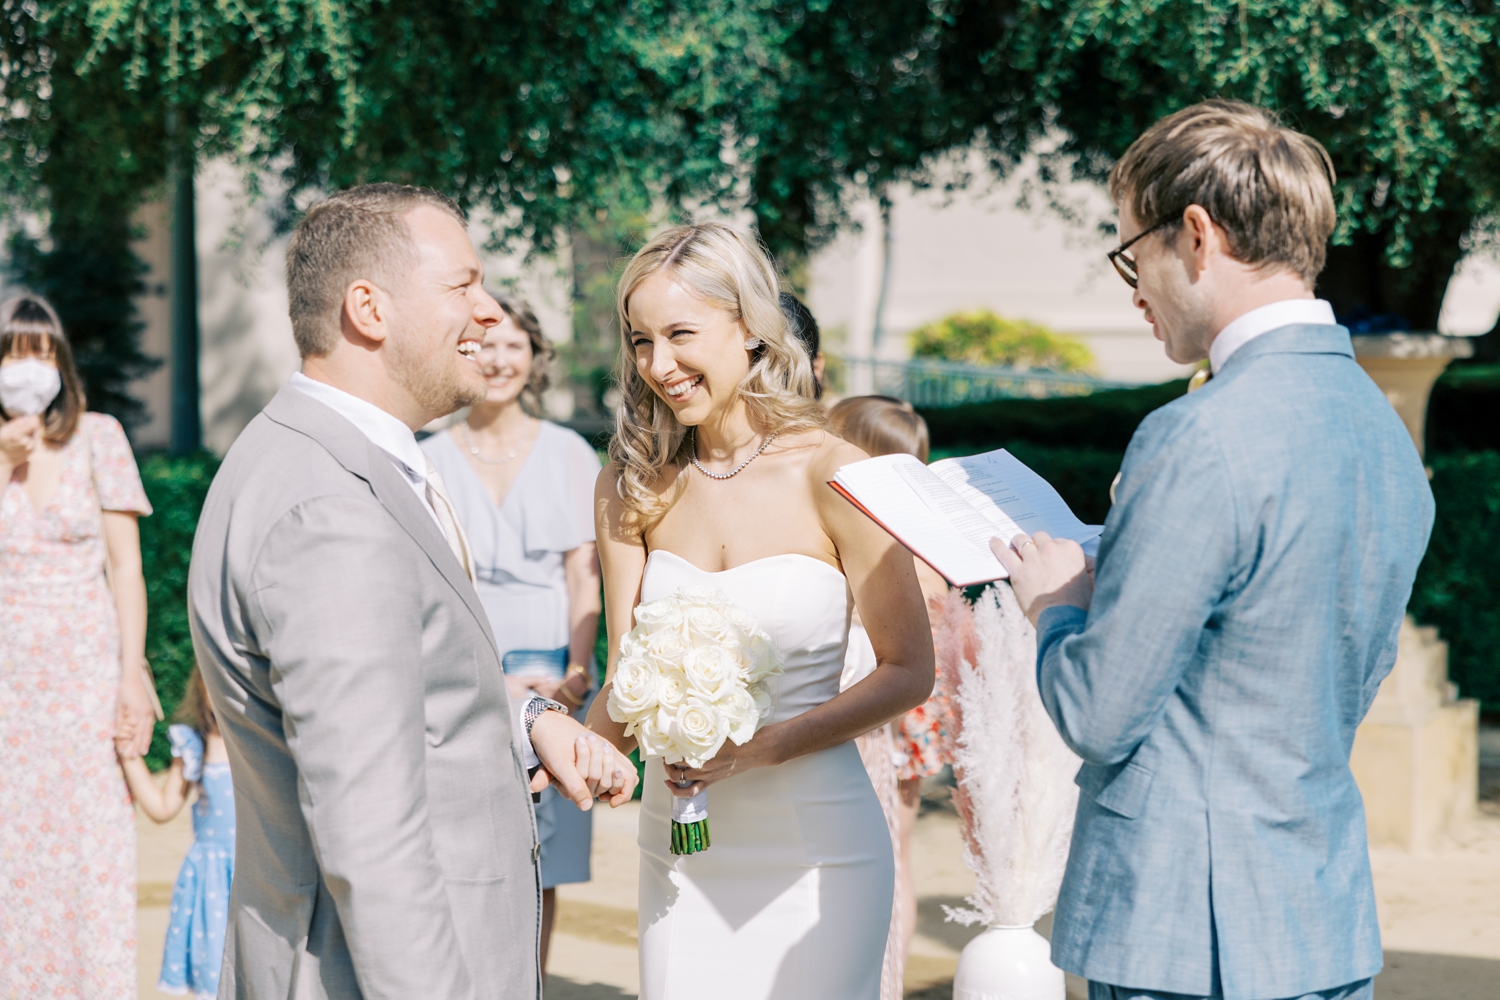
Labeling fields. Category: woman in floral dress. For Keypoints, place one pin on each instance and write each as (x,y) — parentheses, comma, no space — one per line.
(71,673)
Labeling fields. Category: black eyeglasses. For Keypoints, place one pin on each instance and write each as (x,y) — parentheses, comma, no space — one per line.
(1124,263)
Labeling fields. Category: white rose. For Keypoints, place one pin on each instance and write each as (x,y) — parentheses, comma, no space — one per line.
(762,699)
(665,613)
(668,647)
(634,690)
(739,711)
(706,626)
(712,671)
(651,736)
(740,619)
(702,594)
(671,689)
(633,643)
(761,659)
(699,731)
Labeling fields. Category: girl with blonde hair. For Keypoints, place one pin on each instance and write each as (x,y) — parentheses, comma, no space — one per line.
(719,475)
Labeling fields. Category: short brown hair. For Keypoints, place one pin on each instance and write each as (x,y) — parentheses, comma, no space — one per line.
(542,351)
(29,326)
(1269,187)
(358,233)
(880,425)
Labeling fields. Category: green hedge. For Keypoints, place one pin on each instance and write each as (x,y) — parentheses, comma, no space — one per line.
(1458,586)
(1101,420)
(176,488)
(1463,413)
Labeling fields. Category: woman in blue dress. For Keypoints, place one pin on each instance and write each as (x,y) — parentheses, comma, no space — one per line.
(200,900)
(523,489)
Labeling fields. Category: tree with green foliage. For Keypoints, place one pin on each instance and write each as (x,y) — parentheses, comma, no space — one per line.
(1405,96)
(70,148)
(552,115)
(544,112)
(982,338)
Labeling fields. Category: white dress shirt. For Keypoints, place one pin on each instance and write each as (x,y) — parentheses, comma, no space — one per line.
(398,442)
(390,435)
(1263,320)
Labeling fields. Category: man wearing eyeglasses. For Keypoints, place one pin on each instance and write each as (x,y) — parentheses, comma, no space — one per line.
(1245,604)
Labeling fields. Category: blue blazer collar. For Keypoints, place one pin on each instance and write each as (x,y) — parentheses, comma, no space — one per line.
(1299,338)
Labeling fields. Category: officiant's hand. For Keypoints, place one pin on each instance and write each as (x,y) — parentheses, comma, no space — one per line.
(584,766)
(1045,571)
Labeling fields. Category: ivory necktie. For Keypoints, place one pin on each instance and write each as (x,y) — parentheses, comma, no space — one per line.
(437,495)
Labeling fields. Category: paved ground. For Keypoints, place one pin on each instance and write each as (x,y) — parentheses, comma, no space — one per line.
(1439,912)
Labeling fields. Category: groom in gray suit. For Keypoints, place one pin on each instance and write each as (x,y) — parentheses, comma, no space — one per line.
(385,840)
(1250,583)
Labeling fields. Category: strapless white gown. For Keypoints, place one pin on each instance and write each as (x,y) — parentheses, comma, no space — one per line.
(793,900)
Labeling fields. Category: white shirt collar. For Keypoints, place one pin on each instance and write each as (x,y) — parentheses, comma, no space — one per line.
(1263,320)
(386,432)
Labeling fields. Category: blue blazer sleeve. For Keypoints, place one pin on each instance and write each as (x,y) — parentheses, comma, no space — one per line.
(1165,562)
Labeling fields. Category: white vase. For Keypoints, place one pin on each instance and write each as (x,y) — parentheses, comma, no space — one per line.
(1008,963)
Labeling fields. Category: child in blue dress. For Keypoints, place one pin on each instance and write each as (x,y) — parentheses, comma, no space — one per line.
(200,901)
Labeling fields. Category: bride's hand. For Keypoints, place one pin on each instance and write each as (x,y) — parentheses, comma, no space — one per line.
(729,761)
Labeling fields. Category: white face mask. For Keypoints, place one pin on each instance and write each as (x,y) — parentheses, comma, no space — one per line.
(28,387)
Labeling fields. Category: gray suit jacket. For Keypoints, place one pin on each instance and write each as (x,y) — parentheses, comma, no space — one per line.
(1250,584)
(386,845)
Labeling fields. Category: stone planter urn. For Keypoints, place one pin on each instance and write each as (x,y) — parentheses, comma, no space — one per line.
(1416,755)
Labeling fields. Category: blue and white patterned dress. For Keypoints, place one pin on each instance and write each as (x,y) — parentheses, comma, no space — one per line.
(200,900)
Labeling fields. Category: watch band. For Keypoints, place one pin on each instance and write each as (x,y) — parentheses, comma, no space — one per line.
(534,709)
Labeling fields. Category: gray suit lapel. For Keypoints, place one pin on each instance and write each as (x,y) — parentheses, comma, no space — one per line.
(362,458)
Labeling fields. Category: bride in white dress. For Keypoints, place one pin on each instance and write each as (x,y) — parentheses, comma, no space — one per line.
(719,475)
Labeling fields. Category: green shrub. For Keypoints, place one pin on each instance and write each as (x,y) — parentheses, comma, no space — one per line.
(176,487)
(1464,411)
(1101,420)
(1458,585)
(982,338)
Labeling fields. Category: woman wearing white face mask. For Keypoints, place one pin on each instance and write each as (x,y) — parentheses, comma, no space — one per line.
(72,653)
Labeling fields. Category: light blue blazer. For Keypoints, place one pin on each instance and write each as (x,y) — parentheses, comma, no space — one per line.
(1250,584)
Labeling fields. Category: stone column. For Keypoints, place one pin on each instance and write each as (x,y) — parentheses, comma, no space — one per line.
(1416,756)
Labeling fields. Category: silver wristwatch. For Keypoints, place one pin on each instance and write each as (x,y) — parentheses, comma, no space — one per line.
(534,709)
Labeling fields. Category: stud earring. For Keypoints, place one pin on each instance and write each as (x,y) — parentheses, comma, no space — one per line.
(753,343)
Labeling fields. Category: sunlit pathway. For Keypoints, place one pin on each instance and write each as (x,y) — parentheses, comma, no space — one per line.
(1439,913)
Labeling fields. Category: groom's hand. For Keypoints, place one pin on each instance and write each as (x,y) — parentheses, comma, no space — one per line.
(1045,571)
(583,765)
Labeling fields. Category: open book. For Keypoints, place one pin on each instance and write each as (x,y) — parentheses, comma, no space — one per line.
(947,512)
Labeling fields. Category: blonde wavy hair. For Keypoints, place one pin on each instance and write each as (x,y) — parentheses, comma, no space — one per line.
(732,271)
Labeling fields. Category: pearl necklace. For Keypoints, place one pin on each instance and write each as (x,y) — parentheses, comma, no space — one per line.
(473,450)
(737,469)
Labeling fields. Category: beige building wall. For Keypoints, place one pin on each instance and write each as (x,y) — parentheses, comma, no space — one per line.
(247,350)
(973,250)
(976,249)
(154,309)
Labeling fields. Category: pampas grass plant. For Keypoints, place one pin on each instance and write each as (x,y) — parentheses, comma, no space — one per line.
(1015,793)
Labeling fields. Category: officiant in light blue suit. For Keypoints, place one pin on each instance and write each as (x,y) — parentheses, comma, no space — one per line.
(1250,583)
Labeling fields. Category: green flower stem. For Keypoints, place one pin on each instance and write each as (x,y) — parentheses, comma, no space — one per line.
(690,838)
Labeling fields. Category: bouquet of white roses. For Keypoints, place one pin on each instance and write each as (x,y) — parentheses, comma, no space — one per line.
(691,675)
